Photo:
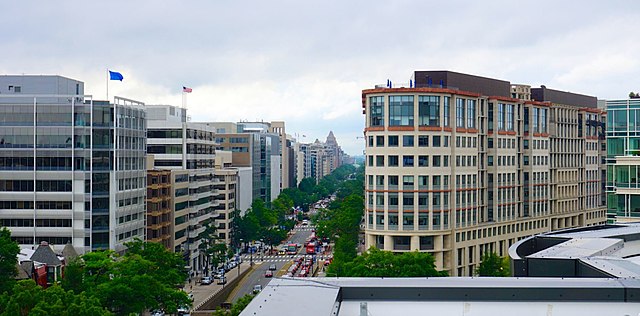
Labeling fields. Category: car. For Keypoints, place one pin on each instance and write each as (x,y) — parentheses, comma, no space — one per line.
(219,275)
(257,288)
(157,312)
(282,251)
(222,281)
(206,280)
(268,274)
(272,267)
(183,311)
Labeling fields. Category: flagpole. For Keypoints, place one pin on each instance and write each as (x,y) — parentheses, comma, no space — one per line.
(107,84)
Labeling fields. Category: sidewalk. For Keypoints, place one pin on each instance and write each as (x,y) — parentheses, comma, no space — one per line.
(202,293)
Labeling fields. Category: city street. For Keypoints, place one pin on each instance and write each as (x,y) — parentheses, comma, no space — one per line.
(203,292)
(262,263)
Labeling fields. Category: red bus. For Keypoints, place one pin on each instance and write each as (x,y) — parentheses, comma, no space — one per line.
(292,249)
(311,248)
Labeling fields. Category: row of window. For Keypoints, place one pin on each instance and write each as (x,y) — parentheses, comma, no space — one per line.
(131,201)
(40,185)
(50,240)
(408,181)
(40,205)
(409,161)
(130,217)
(502,160)
(401,111)
(28,222)
(409,141)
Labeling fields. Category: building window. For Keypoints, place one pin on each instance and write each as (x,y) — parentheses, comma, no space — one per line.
(407,141)
(376,111)
(471,113)
(459,112)
(501,116)
(380,141)
(401,110)
(380,161)
(393,141)
(393,161)
(423,141)
(447,113)
(407,161)
(436,161)
(510,116)
(423,161)
(436,141)
(428,110)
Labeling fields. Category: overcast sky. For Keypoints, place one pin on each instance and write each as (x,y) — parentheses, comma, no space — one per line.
(306,62)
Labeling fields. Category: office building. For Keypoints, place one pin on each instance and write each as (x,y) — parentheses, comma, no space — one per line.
(320,158)
(253,146)
(188,150)
(458,167)
(159,205)
(623,160)
(72,169)
(227,191)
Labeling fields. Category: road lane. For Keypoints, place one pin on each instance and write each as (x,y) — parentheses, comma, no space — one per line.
(262,263)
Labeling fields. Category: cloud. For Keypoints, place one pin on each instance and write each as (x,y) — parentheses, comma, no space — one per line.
(307,62)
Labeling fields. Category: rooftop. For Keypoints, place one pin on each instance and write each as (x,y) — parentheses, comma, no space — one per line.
(447,296)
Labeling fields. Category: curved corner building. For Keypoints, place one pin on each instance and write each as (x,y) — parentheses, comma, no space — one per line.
(460,165)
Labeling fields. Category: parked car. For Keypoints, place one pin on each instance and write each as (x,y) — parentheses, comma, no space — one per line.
(268,274)
(158,312)
(183,311)
(272,267)
(206,280)
(222,281)
(257,288)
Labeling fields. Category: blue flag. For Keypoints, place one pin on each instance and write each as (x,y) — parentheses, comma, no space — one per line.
(115,75)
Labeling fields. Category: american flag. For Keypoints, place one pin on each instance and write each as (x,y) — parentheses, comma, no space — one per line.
(185,89)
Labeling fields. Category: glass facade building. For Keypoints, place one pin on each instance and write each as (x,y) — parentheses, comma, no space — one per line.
(623,160)
(72,169)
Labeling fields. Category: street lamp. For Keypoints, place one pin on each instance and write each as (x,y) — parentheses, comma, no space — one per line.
(251,257)
(240,257)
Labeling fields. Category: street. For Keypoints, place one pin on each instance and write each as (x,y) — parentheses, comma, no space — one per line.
(262,263)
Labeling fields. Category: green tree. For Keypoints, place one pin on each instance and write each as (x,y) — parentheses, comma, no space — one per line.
(147,272)
(380,263)
(72,280)
(494,265)
(31,299)
(9,250)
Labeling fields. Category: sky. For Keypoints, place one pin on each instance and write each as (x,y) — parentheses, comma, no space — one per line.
(307,62)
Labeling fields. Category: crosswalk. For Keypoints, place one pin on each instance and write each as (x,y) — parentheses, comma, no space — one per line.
(279,258)
(304,229)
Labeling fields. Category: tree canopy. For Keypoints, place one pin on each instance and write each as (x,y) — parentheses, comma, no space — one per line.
(9,250)
(147,271)
(31,299)
(494,265)
(379,263)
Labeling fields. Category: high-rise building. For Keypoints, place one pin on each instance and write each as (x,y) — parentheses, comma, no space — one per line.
(458,167)
(72,169)
(227,192)
(623,160)
(255,147)
(159,205)
(320,159)
(188,150)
